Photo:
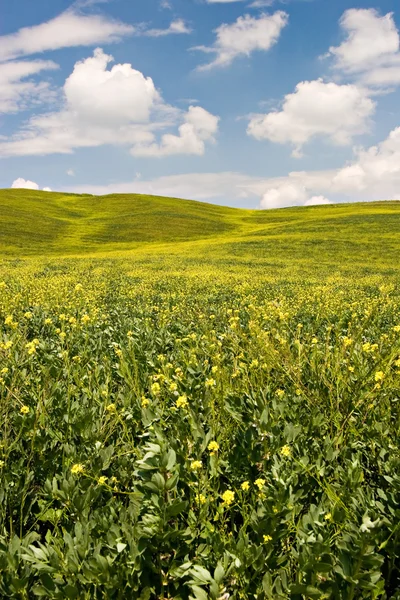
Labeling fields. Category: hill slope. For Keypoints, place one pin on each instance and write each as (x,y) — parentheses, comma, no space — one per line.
(34,223)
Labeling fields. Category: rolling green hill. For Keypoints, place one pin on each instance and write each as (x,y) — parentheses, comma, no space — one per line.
(43,224)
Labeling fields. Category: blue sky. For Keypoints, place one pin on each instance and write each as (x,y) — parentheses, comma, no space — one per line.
(256,103)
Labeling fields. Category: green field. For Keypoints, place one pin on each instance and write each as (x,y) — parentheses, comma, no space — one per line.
(198,402)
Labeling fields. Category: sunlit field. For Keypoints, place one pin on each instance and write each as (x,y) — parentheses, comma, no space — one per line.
(199,402)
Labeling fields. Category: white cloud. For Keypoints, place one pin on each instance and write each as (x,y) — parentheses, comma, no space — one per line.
(317,201)
(290,194)
(117,106)
(316,108)
(114,96)
(243,37)
(66,30)
(199,127)
(71,173)
(176,27)
(371,48)
(262,3)
(16,90)
(26,184)
(284,195)
(374,174)
(375,170)
(371,40)
(382,77)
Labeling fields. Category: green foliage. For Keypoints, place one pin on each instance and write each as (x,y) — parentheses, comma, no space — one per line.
(207,428)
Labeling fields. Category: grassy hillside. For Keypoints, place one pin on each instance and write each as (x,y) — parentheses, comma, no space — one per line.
(36,222)
(360,238)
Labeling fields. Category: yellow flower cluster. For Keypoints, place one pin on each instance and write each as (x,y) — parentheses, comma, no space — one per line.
(77,469)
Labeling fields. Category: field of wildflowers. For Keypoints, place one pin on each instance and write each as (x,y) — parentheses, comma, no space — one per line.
(192,432)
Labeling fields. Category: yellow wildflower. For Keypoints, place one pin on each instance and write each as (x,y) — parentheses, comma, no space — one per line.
(77,469)
(245,486)
(145,401)
(210,383)
(200,499)
(155,388)
(196,465)
(213,447)
(32,346)
(259,483)
(102,480)
(228,497)
(286,451)
(267,538)
(24,410)
(85,319)
(280,393)
(379,376)
(111,408)
(182,402)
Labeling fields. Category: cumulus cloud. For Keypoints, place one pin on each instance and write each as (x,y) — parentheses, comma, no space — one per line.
(317,201)
(243,37)
(27,185)
(66,30)
(371,39)
(17,90)
(371,48)
(115,96)
(199,127)
(284,195)
(316,108)
(375,168)
(116,105)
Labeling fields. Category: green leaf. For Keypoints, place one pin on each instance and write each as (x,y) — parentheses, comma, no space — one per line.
(199,593)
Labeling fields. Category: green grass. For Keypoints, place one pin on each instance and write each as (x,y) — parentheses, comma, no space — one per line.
(344,237)
(134,332)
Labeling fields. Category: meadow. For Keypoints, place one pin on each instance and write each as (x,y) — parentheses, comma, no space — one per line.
(198,402)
